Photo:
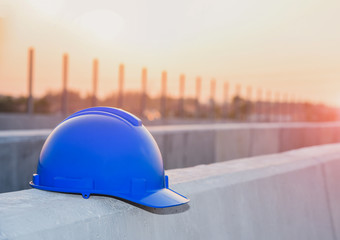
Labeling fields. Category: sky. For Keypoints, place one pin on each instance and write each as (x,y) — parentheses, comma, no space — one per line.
(285,46)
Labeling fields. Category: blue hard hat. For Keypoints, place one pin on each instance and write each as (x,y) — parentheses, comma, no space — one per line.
(103,150)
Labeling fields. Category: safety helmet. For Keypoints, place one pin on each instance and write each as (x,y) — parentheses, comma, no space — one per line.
(103,150)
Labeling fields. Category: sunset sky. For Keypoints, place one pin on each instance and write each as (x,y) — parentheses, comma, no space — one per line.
(287,46)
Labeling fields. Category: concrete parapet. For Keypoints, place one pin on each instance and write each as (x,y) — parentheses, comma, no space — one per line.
(28,121)
(292,195)
(181,145)
(264,140)
(232,144)
(185,148)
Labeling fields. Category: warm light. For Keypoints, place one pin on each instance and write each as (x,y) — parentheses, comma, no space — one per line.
(104,24)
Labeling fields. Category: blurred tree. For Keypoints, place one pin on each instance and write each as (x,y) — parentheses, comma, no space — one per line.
(12,104)
(42,105)
(240,109)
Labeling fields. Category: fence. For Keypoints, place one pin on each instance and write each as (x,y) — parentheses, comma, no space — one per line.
(254,105)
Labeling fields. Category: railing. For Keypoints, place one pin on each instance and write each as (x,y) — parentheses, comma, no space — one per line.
(237,103)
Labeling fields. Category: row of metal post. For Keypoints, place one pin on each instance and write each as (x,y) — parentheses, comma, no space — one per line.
(226,108)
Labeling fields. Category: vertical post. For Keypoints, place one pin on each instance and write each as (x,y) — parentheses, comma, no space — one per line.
(285,107)
(143,93)
(212,98)
(317,109)
(163,95)
(94,81)
(198,96)
(277,107)
(225,100)
(259,105)
(64,101)
(299,110)
(181,96)
(269,105)
(304,110)
(120,86)
(30,107)
(293,106)
(249,102)
(237,100)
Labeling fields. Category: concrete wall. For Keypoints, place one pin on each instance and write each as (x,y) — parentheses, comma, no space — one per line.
(26,121)
(181,145)
(294,195)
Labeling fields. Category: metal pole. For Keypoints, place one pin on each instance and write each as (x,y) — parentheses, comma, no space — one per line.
(163,95)
(212,97)
(304,109)
(120,86)
(30,107)
(198,95)
(225,100)
(299,110)
(285,107)
(249,102)
(292,107)
(237,100)
(269,105)
(64,101)
(277,109)
(259,105)
(94,81)
(143,95)
(181,96)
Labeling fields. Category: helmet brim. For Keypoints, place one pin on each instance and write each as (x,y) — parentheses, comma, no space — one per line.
(161,198)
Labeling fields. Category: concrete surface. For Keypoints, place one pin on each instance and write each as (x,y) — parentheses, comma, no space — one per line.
(181,145)
(264,140)
(25,121)
(290,196)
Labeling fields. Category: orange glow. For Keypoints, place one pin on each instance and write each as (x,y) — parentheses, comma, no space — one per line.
(286,46)
(2,32)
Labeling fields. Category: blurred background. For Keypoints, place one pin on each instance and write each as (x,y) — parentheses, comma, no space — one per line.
(170,62)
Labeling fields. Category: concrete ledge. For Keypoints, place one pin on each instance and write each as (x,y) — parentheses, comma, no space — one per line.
(181,145)
(27,121)
(292,195)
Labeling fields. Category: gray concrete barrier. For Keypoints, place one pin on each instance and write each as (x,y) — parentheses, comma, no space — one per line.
(293,195)
(27,121)
(181,145)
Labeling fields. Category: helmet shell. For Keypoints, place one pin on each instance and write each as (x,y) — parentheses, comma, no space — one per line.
(107,151)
